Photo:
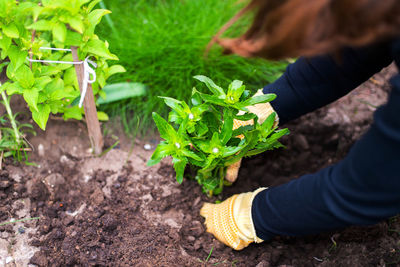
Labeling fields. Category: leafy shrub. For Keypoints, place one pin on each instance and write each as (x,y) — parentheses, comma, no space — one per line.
(204,137)
(26,27)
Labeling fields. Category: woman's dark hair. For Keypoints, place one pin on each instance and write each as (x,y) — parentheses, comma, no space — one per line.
(290,28)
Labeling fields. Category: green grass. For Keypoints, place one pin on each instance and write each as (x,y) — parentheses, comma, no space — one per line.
(161,44)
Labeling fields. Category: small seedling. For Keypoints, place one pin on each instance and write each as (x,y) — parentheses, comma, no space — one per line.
(208,257)
(12,133)
(21,220)
(201,136)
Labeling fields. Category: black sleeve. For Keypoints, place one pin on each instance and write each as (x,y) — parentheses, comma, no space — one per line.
(362,189)
(309,84)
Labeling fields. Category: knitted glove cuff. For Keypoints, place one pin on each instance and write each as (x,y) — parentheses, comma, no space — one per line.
(243,217)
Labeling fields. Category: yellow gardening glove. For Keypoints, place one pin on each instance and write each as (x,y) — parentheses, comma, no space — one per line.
(231,222)
(262,111)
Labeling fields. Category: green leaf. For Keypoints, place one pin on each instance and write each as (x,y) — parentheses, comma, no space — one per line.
(213,100)
(54,86)
(82,2)
(96,15)
(215,143)
(268,123)
(98,48)
(245,117)
(227,127)
(73,39)
(196,98)
(41,115)
(56,106)
(215,89)
(200,109)
(72,113)
(201,128)
(70,78)
(179,166)
(174,117)
(76,23)
(24,76)
(120,91)
(93,4)
(212,121)
(229,151)
(235,91)
(41,82)
(31,97)
(258,99)
(102,116)
(60,32)
(211,184)
(251,139)
(166,130)
(190,154)
(278,134)
(174,104)
(114,70)
(13,88)
(11,30)
(17,56)
(5,43)
(163,150)
(242,130)
(36,10)
(203,145)
(41,25)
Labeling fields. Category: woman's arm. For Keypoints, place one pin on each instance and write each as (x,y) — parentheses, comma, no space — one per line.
(362,189)
(309,84)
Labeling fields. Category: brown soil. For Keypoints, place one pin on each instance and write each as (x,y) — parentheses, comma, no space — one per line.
(115,211)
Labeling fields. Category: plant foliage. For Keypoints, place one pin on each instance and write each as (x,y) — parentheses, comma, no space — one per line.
(200,134)
(26,27)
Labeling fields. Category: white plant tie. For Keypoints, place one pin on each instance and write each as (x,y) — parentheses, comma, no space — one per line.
(87,69)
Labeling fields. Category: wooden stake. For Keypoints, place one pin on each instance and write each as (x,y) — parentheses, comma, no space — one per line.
(92,121)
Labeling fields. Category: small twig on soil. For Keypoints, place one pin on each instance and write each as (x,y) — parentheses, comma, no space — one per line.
(318,259)
(367,103)
(376,81)
(21,220)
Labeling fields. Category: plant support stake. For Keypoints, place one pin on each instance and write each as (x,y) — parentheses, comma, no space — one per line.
(92,121)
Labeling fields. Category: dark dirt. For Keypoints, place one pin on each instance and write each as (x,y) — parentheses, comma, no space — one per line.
(115,211)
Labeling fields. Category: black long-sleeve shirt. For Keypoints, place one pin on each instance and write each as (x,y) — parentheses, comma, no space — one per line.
(364,187)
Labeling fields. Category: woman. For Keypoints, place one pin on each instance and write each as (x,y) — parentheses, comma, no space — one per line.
(342,44)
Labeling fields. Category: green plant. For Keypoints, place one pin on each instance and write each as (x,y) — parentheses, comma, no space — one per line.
(162,46)
(12,140)
(204,137)
(29,26)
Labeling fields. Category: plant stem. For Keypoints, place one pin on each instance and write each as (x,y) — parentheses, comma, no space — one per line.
(10,115)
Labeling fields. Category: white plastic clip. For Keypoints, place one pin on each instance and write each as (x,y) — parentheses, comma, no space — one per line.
(87,69)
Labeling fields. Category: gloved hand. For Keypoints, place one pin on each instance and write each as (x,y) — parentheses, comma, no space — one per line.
(262,111)
(231,221)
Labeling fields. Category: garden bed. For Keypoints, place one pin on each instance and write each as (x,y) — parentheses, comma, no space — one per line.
(116,211)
